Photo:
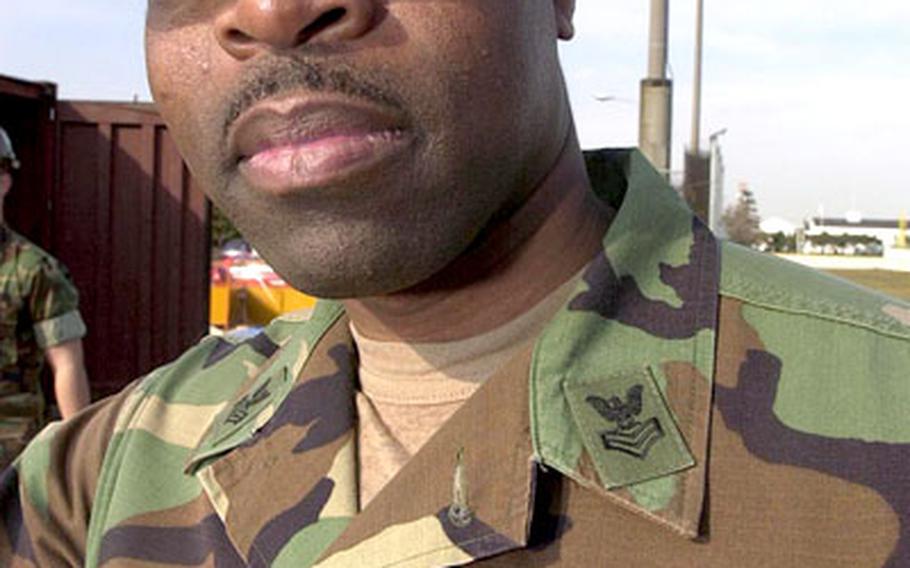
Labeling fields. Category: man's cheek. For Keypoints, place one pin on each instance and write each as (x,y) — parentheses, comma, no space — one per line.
(181,79)
(180,59)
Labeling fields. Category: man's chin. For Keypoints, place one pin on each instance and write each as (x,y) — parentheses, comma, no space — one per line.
(347,289)
(357,282)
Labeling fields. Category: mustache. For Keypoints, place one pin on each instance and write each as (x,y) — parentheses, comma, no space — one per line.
(278,76)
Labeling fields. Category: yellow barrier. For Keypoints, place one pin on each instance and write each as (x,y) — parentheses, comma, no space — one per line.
(253,303)
(220,305)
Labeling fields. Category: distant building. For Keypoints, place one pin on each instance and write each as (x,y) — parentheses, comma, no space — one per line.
(885,230)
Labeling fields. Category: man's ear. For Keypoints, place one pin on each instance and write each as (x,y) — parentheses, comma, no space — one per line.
(565,12)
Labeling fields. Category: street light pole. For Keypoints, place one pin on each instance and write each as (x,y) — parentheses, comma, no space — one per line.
(655,119)
(716,180)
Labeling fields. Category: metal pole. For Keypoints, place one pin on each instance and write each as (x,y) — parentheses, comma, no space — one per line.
(716,195)
(655,120)
(695,143)
(657,51)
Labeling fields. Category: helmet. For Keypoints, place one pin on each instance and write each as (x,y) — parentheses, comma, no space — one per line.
(7,155)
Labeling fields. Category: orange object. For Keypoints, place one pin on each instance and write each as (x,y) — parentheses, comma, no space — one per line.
(250,293)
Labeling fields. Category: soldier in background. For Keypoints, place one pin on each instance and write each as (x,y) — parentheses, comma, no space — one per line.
(39,320)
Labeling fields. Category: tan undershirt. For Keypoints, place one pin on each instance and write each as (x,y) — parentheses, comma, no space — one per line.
(408,391)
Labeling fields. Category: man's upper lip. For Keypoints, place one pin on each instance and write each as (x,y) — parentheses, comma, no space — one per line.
(297,120)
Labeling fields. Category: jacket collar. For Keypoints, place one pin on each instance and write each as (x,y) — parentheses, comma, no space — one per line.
(621,379)
(467,494)
(638,336)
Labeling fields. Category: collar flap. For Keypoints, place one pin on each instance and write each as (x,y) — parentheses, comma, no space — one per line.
(622,377)
(468,494)
(253,407)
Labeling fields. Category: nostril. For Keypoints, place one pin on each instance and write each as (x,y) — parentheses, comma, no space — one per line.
(324,21)
(237,37)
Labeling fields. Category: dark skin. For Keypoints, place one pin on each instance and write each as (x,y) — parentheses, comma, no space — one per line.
(427,168)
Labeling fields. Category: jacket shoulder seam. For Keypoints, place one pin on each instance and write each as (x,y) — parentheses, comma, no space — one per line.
(819,309)
(753,286)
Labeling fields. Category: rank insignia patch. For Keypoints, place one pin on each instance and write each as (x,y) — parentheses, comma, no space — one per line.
(630,436)
(627,428)
(242,408)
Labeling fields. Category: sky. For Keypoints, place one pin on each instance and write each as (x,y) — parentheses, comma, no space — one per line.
(813,93)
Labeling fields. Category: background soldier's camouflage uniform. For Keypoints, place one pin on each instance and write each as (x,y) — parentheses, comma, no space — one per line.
(38,309)
(694,404)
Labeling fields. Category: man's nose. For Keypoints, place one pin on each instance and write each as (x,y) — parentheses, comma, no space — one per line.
(249,27)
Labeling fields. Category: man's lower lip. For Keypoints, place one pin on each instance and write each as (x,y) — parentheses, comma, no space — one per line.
(299,166)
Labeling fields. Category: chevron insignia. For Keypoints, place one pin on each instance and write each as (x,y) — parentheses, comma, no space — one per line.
(635,442)
(630,436)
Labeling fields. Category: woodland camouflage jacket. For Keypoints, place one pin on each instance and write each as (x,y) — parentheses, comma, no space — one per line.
(693,404)
(39,308)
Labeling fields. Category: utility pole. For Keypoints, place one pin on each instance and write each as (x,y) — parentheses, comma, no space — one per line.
(655,119)
(658,37)
(697,179)
(695,143)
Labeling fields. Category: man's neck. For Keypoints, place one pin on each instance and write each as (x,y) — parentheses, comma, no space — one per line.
(519,261)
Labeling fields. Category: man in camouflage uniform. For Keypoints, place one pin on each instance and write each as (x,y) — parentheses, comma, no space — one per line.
(685,403)
(39,320)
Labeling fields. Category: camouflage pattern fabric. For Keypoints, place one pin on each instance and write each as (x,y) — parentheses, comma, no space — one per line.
(694,404)
(38,309)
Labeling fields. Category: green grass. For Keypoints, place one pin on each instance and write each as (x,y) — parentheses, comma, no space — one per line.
(892,283)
